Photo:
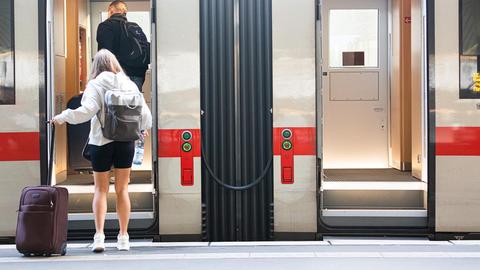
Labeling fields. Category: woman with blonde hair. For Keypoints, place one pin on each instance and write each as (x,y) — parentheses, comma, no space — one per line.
(107,74)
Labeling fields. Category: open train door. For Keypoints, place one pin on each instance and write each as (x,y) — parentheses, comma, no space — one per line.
(370,112)
(71,44)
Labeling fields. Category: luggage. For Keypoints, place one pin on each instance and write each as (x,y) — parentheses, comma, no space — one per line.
(77,136)
(122,114)
(43,218)
(135,48)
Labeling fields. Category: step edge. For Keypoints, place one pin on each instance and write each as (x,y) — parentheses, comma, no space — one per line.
(371,185)
(374,213)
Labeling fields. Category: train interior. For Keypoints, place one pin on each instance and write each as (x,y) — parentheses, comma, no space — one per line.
(372,149)
(74,34)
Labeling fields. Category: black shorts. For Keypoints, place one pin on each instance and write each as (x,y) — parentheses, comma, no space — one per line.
(118,154)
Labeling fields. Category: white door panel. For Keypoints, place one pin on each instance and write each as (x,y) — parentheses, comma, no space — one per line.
(355,83)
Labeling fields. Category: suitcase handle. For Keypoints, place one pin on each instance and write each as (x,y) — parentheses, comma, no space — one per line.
(50,156)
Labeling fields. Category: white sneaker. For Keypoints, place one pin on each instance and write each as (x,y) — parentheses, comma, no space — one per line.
(122,242)
(98,242)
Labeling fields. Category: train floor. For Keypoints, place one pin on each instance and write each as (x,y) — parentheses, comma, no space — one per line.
(332,253)
(86,178)
(374,175)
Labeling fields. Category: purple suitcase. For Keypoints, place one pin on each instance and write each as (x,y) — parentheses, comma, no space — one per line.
(42,222)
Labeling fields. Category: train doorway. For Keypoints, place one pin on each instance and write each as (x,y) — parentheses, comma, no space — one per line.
(372,131)
(73,28)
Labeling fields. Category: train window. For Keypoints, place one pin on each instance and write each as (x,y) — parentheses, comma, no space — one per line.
(353,58)
(353,34)
(7,86)
(469,49)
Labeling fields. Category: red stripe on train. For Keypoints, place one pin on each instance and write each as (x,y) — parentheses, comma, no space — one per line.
(170,141)
(457,141)
(19,146)
(303,139)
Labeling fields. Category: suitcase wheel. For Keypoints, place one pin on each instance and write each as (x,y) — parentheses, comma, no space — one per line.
(32,254)
(64,249)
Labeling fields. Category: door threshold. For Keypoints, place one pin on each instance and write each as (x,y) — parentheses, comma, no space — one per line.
(82,189)
(109,216)
(420,213)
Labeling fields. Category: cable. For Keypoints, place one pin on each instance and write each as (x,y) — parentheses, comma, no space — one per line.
(227,186)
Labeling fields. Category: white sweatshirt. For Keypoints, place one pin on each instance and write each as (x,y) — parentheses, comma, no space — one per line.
(92,100)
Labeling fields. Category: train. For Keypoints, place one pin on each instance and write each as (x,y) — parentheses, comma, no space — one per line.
(273,119)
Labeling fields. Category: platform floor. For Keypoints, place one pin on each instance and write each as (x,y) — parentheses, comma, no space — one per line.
(334,253)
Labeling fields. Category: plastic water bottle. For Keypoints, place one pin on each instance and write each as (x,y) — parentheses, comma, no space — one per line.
(139,150)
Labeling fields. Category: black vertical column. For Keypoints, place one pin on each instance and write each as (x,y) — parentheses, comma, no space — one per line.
(236,124)
(218,119)
(256,117)
(42,88)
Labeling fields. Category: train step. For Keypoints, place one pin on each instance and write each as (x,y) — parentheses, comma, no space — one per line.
(387,189)
(81,196)
(381,218)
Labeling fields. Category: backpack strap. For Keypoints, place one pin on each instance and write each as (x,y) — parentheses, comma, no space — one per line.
(123,23)
(101,112)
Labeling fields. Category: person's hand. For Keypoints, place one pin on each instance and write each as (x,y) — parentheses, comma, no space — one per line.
(54,121)
(145,133)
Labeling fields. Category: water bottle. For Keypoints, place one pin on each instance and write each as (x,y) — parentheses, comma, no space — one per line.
(139,150)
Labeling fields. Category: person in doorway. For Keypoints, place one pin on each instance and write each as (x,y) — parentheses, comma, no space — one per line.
(107,74)
(126,40)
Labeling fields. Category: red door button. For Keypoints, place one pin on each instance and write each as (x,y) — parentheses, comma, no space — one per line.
(187,178)
(287,175)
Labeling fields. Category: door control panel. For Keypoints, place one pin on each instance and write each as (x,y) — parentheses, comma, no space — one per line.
(186,158)
(286,156)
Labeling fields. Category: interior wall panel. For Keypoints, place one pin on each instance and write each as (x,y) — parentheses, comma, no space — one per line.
(400,97)
(417,88)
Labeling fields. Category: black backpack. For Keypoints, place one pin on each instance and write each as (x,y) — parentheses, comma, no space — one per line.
(135,49)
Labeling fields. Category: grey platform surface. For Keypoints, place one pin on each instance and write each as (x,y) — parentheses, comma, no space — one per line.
(332,253)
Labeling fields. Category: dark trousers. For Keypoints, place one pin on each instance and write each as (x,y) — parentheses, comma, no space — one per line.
(138,81)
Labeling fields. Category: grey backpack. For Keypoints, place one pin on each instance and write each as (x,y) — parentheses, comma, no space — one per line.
(121,114)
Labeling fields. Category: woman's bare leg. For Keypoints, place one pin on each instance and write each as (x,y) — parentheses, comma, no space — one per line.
(122,178)
(99,204)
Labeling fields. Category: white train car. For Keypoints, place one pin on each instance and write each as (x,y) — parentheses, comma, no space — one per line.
(273,119)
